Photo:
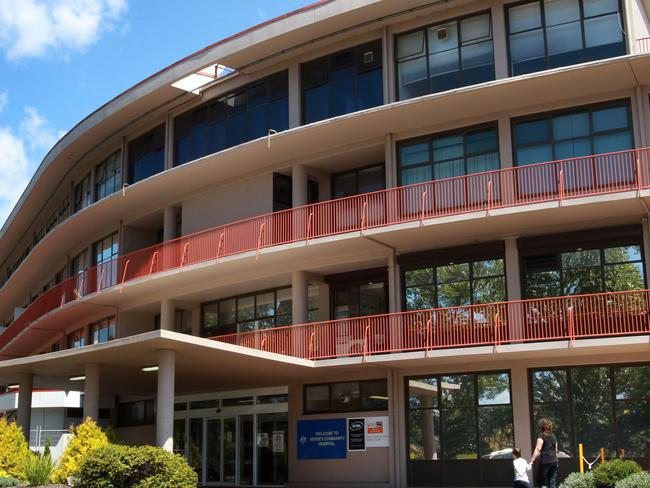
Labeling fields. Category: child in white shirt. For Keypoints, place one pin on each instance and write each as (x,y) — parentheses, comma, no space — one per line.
(521,468)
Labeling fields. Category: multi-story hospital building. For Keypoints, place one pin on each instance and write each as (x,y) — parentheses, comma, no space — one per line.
(367,243)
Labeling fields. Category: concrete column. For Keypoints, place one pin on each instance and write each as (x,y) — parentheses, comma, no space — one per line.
(394,293)
(388,64)
(25,386)
(169,142)
(196,321)
(169,223)
(299,185)
(390,161)
(165,400)
(91,391)
(646,245)
(295,97)
(167,315)
(500,42)
(641,139)
(521,410)
(513,276)
(323,301)
(505,142)
(299,297)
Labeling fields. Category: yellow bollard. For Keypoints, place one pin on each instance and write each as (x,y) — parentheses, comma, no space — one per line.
(582,462)
(602,455)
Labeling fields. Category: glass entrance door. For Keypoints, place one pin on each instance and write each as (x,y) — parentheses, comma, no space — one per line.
(213,450)
(230,450)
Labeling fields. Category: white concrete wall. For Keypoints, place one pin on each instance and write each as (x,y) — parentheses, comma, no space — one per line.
(224,204)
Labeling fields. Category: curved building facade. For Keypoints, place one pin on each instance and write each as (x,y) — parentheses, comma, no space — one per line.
(367,243)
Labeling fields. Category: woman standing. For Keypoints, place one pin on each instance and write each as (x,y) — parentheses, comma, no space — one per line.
(546,450)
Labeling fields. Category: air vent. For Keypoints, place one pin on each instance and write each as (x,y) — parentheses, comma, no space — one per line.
(442,34)
(368,57)
(543,262)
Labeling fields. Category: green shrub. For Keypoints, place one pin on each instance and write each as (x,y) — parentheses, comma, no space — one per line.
(86,437)
(38,469)
(8,481)
(578,480)
(637,480)
(610,472)
(135,467)
(13,449)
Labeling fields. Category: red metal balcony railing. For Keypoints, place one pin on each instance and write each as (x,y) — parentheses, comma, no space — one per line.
(643,45)
(494,324)
(481,192)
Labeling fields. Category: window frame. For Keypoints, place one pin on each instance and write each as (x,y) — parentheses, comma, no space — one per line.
(130,168)
(332,410)
(107,323)
(439,407)
(424,29)
(428,138)
(543,27)
(356,171)
(102,183)
(548,116)
(355,50)
(611,367)
(237,321)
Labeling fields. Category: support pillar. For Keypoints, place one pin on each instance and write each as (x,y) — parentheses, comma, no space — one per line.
(165,400)
(390,161)
(167,315)
(294,96)
(501,69)
(521,410)
(169,223)
(25,385)
(299,296)
(298,185)
(91,392)
(513,289)
(394,294)
(645,229)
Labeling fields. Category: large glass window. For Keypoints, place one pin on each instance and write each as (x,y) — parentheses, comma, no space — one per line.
(459,416)
(455,284)
(105,254)
(108,176)
(83,193)
(346,396)
(147,154)
(574,133)
(359,298)
(76,339)
(249,312)
(358,181)
(599,406)
(445,56)
(341,83)
(546,34)
(102,331)
(240,116)
(581,270)
(456,153)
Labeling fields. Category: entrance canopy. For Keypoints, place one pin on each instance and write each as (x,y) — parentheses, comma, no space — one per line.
(201,364)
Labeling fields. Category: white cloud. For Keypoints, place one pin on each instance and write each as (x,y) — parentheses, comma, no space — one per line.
(22,152)
(35,28)
(4,99)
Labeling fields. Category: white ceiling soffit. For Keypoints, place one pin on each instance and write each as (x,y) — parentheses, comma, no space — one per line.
(194,82)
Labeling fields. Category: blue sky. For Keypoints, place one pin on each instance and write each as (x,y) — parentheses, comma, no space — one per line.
(62,59)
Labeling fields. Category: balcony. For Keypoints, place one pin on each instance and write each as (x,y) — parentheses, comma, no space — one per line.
(494,324)
(482,193)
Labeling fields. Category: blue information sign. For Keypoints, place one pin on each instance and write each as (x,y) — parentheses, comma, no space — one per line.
(322,439)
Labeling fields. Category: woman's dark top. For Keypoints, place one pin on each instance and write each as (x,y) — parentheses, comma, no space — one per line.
(548,454)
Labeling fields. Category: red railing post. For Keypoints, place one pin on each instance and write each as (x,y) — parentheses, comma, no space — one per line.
(259,239)
(221,239)
(154,259)
(639,180)
(571,331)
(79,291)
(561,185)
(429,333)
(366,333)
(126,266)
(101,279)
(364,210)
(489,196)
(185,248)
(497,334)
(424,196)
(310,352)
(310,221)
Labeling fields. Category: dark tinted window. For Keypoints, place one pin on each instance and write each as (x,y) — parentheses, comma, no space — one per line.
(548,34)
(342,83)
(233,119)
(147,155)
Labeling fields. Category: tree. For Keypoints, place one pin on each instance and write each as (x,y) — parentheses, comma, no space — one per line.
(85,438)
(13,449)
